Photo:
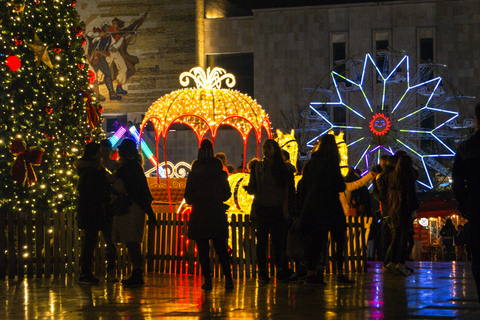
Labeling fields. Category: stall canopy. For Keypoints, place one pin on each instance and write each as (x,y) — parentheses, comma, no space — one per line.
(437,207)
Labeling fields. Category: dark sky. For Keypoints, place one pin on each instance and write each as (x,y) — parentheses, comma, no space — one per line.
(261,4)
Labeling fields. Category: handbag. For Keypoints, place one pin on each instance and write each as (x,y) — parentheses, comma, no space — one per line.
(120,204)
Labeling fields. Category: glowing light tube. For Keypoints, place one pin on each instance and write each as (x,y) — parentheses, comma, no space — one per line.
(117,135)
(145,149)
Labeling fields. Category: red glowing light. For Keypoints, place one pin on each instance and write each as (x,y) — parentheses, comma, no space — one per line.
(13,63)
(380,124)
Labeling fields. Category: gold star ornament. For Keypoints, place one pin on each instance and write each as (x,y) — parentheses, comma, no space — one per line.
(40,51)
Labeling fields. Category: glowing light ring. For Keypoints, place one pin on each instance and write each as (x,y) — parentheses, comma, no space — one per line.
(404,115)
(380,124)
(182,169)
(212,79)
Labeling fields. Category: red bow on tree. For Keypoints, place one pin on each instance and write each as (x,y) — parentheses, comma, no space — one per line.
(22,168)
(92,116)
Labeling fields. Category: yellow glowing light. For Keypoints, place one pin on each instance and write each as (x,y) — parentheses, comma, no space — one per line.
(210,80)
(207,107)
(287,142)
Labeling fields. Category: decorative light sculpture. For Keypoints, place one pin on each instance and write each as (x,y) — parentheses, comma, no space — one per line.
(205,108)
(385,110)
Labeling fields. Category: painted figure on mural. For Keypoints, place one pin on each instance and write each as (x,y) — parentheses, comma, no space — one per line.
(106,51)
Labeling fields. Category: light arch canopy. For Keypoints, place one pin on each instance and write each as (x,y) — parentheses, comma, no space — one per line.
(205,110)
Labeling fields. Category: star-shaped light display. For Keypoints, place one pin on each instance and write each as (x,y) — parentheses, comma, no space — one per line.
(387,111)
(40,51)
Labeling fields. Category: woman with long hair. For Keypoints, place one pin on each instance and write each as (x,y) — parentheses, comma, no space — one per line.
(402,203)
(128,226)
(320,207)
(272,184)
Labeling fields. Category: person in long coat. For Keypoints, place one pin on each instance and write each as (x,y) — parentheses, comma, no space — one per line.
(206,190)
(128,226)
(93,195)
(320,205)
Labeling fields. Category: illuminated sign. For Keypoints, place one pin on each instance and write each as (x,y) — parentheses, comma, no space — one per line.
(380,124)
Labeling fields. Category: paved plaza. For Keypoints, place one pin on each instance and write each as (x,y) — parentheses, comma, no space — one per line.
(437,290)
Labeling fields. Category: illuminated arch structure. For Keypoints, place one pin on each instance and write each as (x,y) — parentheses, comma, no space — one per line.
(387,101)
(205,108)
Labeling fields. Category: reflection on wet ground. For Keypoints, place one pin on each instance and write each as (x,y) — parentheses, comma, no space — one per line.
(437,290)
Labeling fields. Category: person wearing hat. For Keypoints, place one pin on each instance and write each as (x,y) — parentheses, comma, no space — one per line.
(102,40)
(93,196)
(128,226)
(206,190)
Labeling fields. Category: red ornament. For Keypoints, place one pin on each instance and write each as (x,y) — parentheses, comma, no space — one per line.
(57,50)
(87,139)
(91,76)
(100,108)
(80,66)
(84,41)
(74,3)
(13,63)
(18,41)
(37,1)
(48,110)
(65,153)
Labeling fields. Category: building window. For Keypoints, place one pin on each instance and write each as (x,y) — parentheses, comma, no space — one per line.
(339,55)
(382,63)
(426,55)
(238,64)
(113,122)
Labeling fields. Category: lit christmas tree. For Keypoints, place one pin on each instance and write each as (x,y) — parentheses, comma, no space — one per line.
(46,109)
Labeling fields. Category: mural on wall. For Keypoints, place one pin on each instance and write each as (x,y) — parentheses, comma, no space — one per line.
(136,50)
(106,52)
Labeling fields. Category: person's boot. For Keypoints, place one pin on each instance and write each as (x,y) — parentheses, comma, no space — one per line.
(207,284)
(135,280)
(120,90)
(115,97)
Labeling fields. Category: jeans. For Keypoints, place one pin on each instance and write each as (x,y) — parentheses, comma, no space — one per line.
(90,242)
(270,220)
(397,252)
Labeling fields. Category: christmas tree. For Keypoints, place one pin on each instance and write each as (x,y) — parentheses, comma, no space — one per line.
(46,106)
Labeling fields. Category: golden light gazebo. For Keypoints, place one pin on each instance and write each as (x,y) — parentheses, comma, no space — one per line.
(205,108)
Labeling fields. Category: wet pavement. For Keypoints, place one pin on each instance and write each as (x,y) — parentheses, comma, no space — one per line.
(437,290)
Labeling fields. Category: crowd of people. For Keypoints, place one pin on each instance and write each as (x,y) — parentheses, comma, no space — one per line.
(317,206)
